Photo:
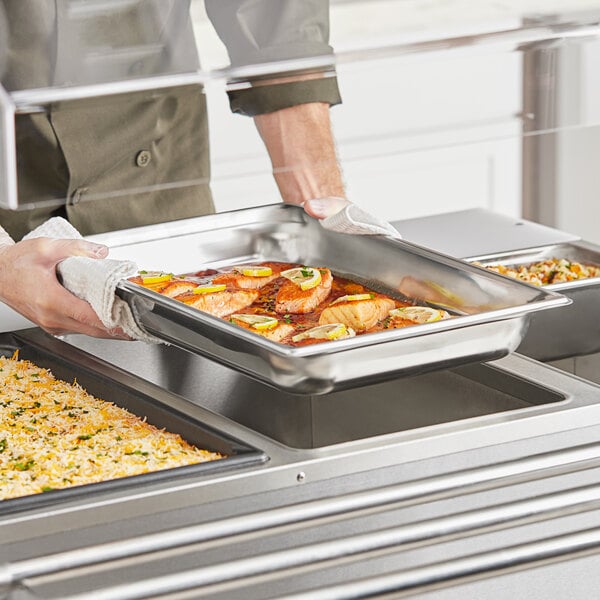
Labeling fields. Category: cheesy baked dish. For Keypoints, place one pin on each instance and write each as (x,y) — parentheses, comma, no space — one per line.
(53,435)
(547,272)
(292,304)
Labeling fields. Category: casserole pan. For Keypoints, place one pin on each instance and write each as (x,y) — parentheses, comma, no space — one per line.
(114,385)
(568,331)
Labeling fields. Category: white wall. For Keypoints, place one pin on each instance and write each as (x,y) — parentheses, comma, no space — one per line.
(577,170)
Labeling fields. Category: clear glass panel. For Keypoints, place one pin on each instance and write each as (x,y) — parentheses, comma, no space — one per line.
(82,42)
(447,104)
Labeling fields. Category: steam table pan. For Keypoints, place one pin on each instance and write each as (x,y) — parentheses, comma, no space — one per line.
(492,312)
(572,330)
(127,391)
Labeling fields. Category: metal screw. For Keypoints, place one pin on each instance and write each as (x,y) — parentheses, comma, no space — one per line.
(301,477)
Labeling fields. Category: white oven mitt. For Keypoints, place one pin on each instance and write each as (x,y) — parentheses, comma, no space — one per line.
(95,280)
(352,219)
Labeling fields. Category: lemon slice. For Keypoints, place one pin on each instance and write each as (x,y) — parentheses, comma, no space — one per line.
(151,277)
(352,298)
(249,271)
(304,277)
(209,288)
(332,331)
(451,298)
(259,322)
(420,314)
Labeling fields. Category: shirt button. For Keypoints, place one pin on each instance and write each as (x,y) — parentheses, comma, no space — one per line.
(143,158)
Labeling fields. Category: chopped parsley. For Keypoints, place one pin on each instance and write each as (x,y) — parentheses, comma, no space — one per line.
(20,466)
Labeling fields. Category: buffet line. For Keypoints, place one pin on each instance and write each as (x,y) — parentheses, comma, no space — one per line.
(420,459)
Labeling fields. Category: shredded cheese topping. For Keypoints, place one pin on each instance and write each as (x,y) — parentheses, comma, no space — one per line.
(53,434)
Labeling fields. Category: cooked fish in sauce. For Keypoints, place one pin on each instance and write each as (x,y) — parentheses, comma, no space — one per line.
(250,277)
(361,315)
(292,304)
(219,303)
(292,299)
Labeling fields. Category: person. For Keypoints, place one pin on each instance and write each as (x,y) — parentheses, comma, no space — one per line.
(126,160)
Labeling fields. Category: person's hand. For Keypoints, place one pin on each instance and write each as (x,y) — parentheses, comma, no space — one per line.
(321,208)
(342,216)
(28,284)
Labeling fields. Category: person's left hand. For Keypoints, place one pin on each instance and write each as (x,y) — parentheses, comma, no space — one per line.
(29,285)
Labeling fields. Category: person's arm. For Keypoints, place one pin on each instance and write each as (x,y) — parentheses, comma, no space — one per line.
(28,284)
(300,143)
(291,112)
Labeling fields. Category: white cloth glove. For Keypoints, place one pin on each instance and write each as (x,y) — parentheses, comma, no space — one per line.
(349,219)
(95,280)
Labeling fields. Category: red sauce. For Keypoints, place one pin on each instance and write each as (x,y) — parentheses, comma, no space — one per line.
(265,304)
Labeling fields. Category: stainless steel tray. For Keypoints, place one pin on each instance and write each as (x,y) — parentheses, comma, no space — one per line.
(572,330)
(114,385)
(493,311)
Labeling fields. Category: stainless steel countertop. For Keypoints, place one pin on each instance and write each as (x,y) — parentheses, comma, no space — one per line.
(462,476)
(478,231)
(456,503)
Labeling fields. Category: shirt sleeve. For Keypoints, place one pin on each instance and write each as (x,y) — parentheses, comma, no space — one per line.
(262,31)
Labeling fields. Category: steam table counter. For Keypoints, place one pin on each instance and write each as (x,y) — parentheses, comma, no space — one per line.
(477,482)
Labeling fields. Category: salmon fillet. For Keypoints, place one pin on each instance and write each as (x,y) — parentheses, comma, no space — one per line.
(359,315)
(293,300)
(275,335)
(175,288)
(278,333)
(158,286)
(245,282)
(219,304)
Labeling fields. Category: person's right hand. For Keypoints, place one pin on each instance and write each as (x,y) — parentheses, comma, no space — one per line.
(28,284)
(321,208)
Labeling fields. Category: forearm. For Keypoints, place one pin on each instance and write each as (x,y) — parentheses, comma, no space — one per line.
(301,146)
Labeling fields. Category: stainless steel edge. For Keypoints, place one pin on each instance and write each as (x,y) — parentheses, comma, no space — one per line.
(568,331)
(463,523)
(575,250)
(326,370)
(478,232)
(135,243)
(544,507)
(492,311)
(488,564)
